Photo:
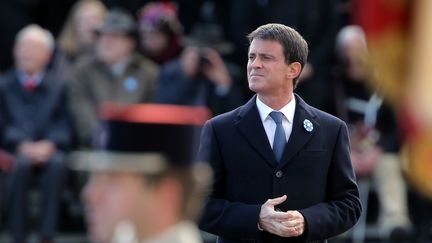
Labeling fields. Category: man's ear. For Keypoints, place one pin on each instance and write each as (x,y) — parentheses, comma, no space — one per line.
(294,70)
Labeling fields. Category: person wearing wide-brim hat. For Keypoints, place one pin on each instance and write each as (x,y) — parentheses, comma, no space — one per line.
(144,180)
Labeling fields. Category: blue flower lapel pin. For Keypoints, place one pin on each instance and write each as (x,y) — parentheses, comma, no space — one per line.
(308,126)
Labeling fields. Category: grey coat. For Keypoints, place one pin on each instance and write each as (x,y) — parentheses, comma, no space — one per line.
(94,83)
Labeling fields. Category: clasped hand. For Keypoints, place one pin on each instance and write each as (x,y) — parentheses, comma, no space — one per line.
(285,224)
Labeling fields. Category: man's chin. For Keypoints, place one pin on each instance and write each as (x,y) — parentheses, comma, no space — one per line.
(254,86)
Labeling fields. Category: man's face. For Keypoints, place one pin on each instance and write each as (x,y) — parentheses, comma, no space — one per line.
(111,198)
(266,69)
(113,48)
(31,54)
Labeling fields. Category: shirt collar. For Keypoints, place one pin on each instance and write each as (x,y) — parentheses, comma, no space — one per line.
(119,68)
(288,110)
(23,77)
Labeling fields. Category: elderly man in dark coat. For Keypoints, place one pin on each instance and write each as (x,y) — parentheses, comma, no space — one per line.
(36,130)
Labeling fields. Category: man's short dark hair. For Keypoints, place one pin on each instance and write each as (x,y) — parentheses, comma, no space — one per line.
(294,46)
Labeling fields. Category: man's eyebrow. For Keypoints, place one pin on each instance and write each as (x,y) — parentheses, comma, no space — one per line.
(260,53)
(265,54)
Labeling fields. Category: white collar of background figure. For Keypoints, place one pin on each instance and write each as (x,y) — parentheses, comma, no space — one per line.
(23,77)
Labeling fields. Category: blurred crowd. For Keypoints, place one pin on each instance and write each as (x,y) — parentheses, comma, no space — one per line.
(61,60)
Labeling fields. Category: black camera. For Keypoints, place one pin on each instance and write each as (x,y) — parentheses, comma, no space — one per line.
(203,61)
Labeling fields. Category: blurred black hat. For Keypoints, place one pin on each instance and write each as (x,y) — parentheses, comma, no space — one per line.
(118,21)
(208,35)
(144,138)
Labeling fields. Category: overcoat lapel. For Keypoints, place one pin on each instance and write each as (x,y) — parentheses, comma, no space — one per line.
(299,135)
(251,128)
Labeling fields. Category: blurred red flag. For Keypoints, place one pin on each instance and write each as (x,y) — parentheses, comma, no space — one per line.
(399,37)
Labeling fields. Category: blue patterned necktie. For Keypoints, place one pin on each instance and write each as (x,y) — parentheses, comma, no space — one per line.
(279,136)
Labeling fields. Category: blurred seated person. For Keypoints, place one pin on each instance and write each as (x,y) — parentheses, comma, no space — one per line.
(160,31)
(36,131)
(115,73)
(200,76)
(374,132)
(78,36)
(143,189)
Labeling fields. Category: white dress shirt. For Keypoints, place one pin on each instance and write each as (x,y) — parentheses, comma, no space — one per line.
(270,125)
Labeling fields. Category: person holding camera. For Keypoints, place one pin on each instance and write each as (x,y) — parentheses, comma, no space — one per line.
(200,76)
